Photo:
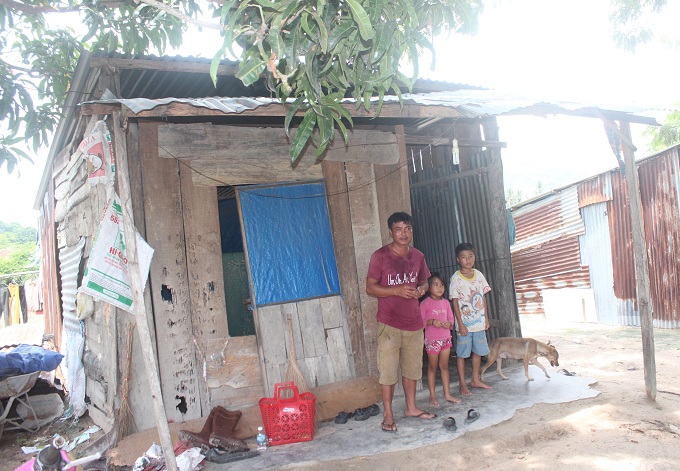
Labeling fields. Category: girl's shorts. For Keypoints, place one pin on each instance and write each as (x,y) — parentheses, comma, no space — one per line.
(434,347)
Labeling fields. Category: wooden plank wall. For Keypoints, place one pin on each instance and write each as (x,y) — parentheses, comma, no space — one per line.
(321,350)
(204,264)
(363,206)
(169,282)
(78,212)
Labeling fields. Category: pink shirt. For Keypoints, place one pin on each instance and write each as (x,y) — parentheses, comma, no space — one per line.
(440,310)
(391,270)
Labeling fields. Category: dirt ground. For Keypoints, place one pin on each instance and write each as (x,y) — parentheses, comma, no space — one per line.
(620,429)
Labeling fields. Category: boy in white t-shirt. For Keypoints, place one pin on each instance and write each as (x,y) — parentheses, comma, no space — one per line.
(467,289)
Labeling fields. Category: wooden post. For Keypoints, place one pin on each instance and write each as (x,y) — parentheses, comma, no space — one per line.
(139,306)
(507,300)
(640,257)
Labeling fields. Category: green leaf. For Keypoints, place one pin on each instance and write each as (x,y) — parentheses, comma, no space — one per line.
(362,20)
(302,135)
(291,112)
(249,71)
(215,64)
(323,32)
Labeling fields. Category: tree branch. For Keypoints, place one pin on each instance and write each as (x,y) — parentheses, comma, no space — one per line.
(178,14)
(35,10)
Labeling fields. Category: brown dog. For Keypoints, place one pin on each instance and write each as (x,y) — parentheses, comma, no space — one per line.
(525,349)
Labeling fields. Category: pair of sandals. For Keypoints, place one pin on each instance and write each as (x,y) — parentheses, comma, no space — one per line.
(450,422)
(360,414)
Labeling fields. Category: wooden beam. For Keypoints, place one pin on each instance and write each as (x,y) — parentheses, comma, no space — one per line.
(165,66)
(269,147)
(183,109)
(448,141)
(138,297)
(641,268)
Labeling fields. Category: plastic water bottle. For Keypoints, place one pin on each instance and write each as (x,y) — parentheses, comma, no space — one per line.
(261,439)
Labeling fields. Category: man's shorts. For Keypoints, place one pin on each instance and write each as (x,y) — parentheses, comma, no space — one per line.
(399,348)
(473,342)
(434,347)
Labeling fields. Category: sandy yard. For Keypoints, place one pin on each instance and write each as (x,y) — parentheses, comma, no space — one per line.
(620,429)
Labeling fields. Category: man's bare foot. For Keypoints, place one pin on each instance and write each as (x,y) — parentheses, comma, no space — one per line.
(480,385)
(421,414)
(434,402)
(451,398)
(464,391)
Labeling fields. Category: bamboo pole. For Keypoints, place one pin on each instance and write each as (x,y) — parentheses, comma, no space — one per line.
(641,268)
(139,306)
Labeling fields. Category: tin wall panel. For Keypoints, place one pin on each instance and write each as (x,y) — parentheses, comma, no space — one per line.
(595,190)
(551,265)
(659,194)
(596,253)
(548,219)
(621,239)
(449,208)
(69,266)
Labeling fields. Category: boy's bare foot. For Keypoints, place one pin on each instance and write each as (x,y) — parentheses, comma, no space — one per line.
(451,398)
(421,414)
(464,391)
(480,385)
(434,402)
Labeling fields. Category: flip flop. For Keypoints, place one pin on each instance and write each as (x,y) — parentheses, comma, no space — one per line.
(566,373)
(389,427)
(450,424)
(472,415)
(420,416)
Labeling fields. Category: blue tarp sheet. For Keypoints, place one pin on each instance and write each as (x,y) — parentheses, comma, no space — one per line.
(289,240)
(26,359)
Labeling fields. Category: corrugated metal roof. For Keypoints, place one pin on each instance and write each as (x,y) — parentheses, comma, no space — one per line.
(469,103)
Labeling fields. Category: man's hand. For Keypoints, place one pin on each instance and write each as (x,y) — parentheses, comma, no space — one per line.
(407,292)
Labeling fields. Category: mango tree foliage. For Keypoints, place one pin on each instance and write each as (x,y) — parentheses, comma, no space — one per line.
(314,53)
(39,54)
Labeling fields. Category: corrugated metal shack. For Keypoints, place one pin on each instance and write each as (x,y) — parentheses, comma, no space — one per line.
(579,236)
(206,167)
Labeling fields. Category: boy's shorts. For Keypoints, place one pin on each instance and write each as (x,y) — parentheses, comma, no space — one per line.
(435,347)
(399,348)
(473,342)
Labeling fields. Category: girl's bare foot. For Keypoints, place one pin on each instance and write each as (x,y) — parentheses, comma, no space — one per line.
(464,391)
(434,402)
(451,398)
(480,385)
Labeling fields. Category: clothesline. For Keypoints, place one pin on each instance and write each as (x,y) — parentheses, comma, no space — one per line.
(10,275)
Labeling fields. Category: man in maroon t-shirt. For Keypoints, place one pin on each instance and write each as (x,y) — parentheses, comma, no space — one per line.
(397,276)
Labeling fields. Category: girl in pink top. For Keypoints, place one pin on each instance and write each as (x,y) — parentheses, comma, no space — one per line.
(438,321)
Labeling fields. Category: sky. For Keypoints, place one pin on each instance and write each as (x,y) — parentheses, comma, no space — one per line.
(543,49)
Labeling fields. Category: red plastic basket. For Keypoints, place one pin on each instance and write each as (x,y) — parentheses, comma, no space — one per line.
(288,420)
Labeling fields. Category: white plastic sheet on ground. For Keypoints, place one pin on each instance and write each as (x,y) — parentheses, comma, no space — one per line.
(107,276)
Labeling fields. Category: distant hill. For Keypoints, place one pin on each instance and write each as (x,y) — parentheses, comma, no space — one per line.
(18,250)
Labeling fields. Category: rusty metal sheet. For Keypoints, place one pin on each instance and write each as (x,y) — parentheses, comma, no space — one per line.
(594,190)
(659,191)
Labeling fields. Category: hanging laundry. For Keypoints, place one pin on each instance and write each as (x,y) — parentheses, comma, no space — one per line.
(14,304)
(4,306)
(34,296)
